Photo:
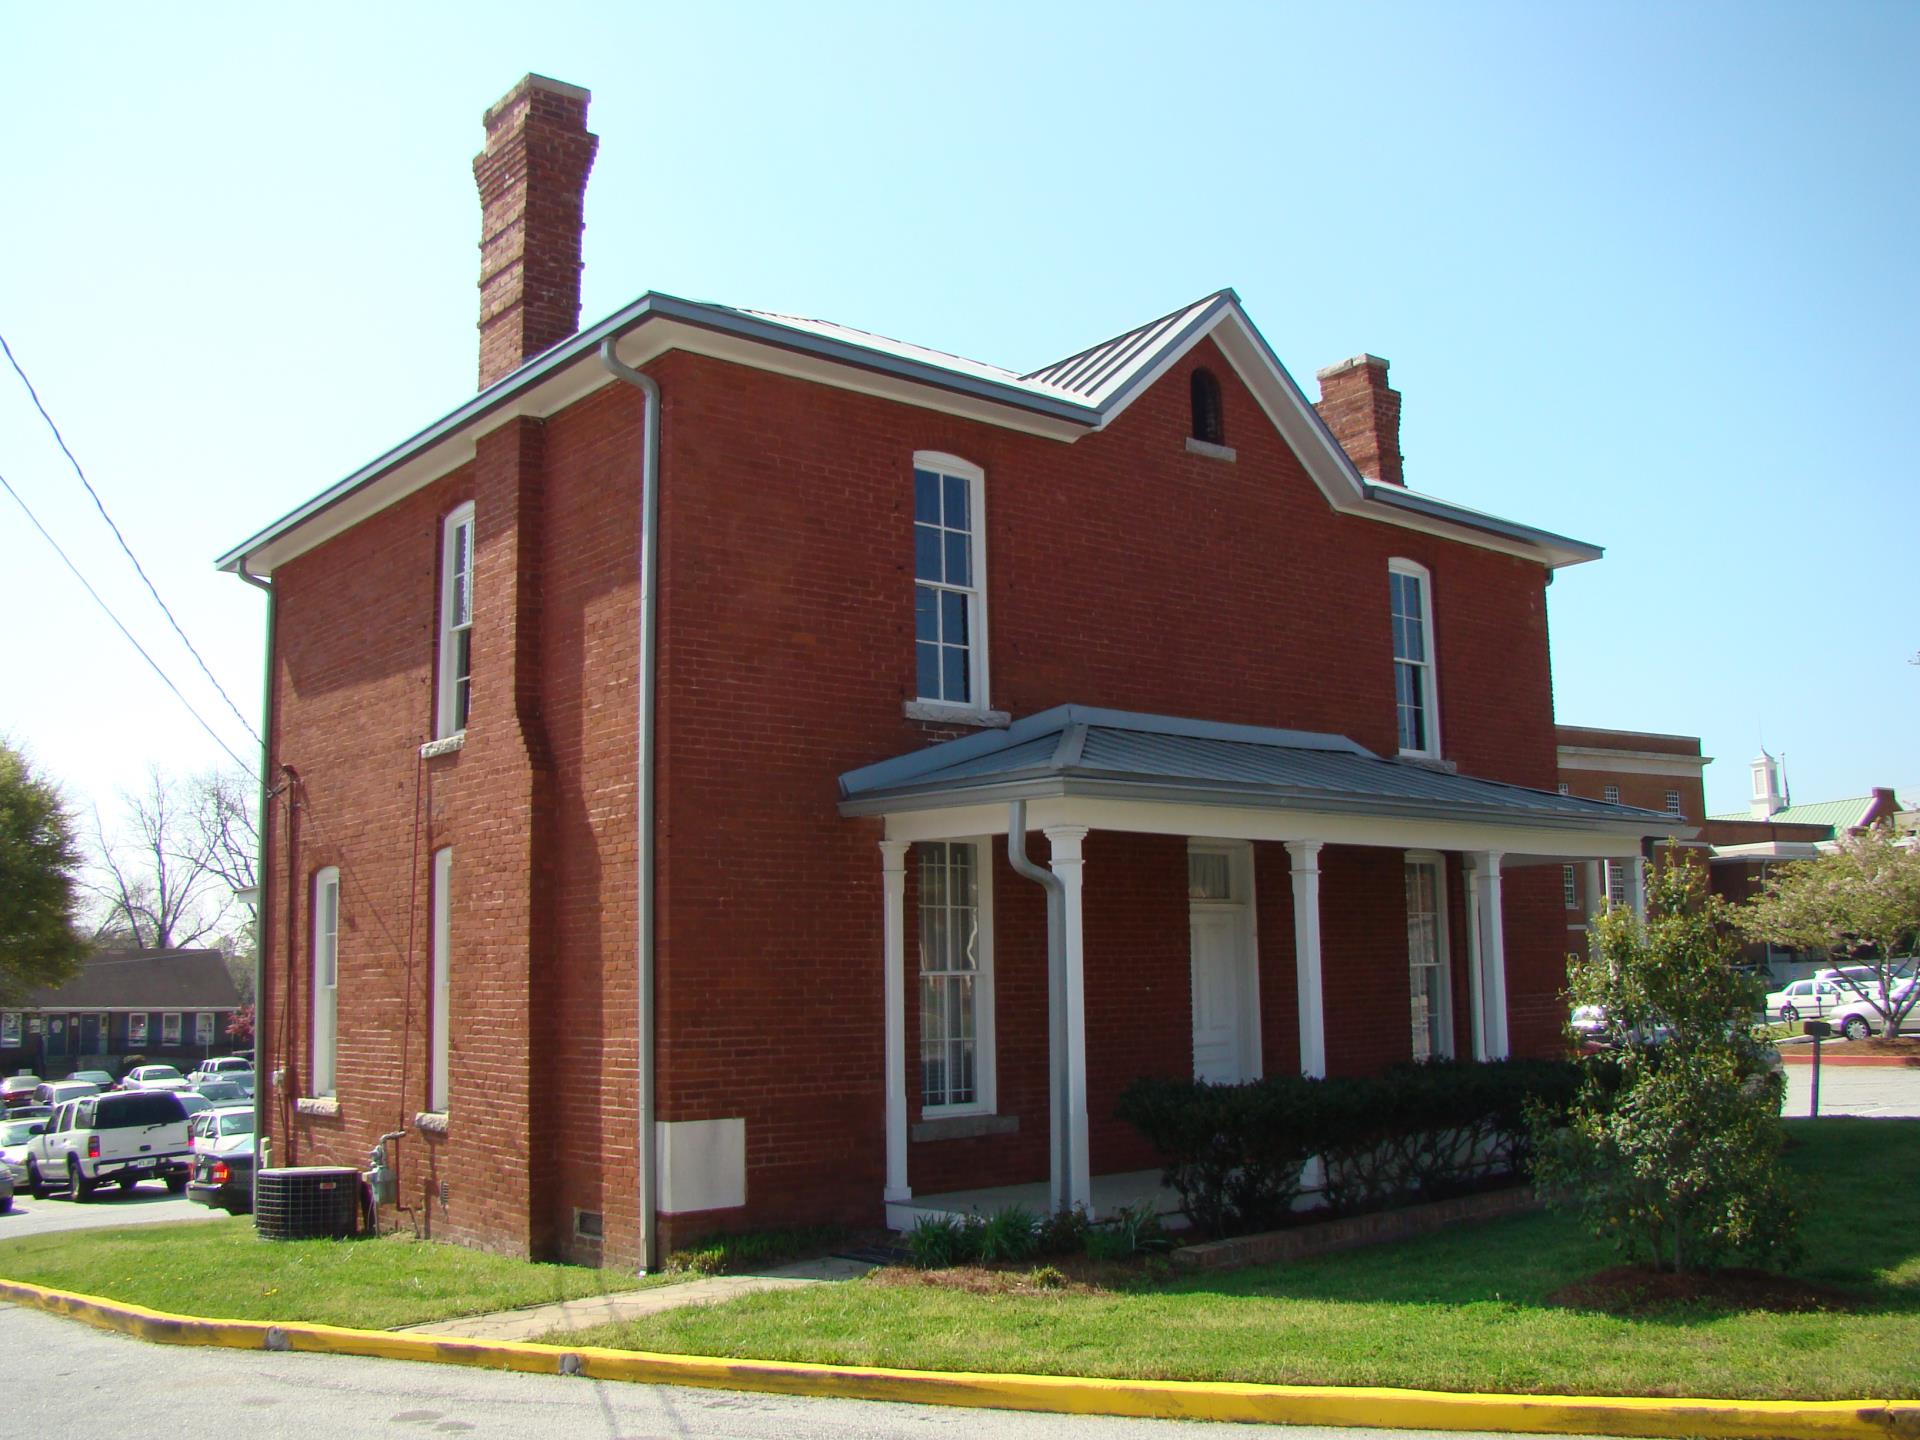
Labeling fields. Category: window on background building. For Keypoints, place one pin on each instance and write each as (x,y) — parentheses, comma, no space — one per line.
(1617,882)
(1413,681)
(326,978)
(456,622)
(1209,417)
(1569,892)
(949,609)
(1427,962)
(10,1029)
(203,1028)
(1611,794)
(442,980)
(170,1029)
(956,976)
(1673,802)
(137,1029)
(1563,787)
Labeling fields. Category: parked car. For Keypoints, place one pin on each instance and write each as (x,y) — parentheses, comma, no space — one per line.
(1589,1022)
(1804,1000)
(52,1092)
(222,1092)
(222,1173)
(221,1067)
(123,1137)
(99,1078)
(153,1077)
(16,1134)
(6,1190)
(17,1090)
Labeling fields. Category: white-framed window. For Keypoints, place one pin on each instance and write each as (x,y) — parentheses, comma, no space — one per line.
(1616,882)
(10,1028)
(1569,894)
(455,685)
(137,1029)
(1563,787)
(170,1028)
(956,979)
(1431,982)
(1415,692)
(1673,802)
(949,581)
(442,1002)
(203,1028)
(1611,794)
(326,978)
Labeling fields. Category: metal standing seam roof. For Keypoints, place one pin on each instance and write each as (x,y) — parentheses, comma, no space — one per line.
(1840,814)
(1086,750)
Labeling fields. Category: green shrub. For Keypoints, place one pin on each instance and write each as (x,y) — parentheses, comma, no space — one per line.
(1046,1277)
(939,1242)
(1063,1233)
(1235,1153)
(753,1249)
(1010,1234)
(1133,1230)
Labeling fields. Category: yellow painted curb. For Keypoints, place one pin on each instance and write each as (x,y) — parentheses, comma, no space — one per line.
(1061,1394)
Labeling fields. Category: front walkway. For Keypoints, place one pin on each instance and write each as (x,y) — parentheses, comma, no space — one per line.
(538,1320)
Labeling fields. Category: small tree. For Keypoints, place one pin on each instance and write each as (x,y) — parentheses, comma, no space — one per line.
(1673,1144)
(1860,901)
(39,867)
(240,1026)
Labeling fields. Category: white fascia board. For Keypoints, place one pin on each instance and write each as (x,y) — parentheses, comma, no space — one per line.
(1222,822)
(1768,850)
(1631,762)
(331,516)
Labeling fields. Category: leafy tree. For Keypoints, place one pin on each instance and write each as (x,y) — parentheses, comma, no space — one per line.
(1860,901)
(39,866)
(1672,1147)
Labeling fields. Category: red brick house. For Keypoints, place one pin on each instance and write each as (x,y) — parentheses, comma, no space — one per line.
(646,737)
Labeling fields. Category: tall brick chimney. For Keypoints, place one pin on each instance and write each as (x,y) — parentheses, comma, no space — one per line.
(533,183)
(1363,412)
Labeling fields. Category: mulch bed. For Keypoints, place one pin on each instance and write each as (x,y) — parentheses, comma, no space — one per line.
(1638,1290)
(1057,1275)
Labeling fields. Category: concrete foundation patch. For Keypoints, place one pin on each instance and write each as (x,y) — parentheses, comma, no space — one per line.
(1148,1399)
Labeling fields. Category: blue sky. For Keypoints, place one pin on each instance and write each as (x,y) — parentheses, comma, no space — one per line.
(1645,275)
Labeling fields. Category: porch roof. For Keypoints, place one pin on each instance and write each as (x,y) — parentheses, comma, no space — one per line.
(1080,751)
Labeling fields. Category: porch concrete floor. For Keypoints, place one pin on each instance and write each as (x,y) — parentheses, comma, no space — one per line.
(1110,1193)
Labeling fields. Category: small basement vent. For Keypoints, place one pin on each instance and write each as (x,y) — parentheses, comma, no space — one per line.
(307,1202)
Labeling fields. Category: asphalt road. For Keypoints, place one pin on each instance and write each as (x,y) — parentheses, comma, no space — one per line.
(145,1204)
(87,1380)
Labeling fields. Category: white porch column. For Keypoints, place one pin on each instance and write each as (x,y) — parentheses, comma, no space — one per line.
(1637,887)
(1306,955)
(893,872)
(1476,965)
(1493,951)
(1596,888)
(1068,863)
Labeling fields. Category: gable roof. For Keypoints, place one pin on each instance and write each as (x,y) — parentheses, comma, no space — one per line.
(1084,750)
(145,980)
(1070,398)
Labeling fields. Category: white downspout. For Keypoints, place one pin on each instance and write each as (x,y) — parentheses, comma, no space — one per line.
(649,618)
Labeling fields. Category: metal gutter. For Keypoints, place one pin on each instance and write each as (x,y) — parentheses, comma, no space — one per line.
(1401,498)
(647,1040)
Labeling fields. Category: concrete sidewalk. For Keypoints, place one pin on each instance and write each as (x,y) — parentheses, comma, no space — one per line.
(539,1320)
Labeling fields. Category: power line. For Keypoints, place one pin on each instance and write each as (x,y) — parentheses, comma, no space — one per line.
(122,628)
(100,505)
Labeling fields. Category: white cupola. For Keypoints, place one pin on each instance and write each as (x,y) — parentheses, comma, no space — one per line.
(1769,794)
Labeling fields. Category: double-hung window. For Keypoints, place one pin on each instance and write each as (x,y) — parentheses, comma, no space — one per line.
(455,680)
(442,980)
(1427,960)
(170,1029)
(949,583)
(1673,802)
(956,981)
(203,1028)
(326,978)
(1611,794)
(1416,701)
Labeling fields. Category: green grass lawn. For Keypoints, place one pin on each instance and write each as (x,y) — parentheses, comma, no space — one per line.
(223,1270)
(1462,1310)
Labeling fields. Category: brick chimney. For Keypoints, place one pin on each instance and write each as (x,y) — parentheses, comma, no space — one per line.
(533,182)
(1363,412)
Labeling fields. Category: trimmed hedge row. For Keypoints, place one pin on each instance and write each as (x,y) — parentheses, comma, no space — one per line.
(1235,1153)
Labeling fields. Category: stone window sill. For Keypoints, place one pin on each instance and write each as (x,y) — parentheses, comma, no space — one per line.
(943,714)
(1211,450)
(431,1122)
(965,1127)
(325,1105)
(445,746)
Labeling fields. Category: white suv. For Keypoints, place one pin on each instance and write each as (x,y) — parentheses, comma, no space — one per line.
(225,1067)
(124,1137)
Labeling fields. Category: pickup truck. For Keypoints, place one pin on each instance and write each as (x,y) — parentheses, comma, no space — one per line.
(123,1137)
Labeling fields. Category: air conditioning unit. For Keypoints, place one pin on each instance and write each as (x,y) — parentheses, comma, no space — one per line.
(307,1202)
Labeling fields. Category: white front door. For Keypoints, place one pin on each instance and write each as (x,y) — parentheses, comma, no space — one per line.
(1219,1028)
